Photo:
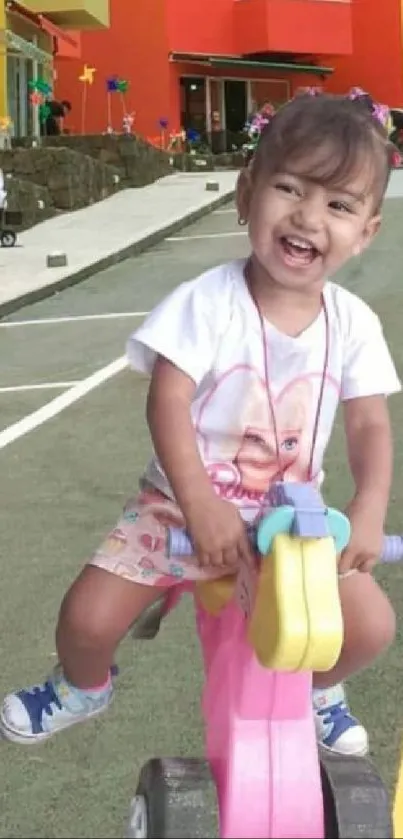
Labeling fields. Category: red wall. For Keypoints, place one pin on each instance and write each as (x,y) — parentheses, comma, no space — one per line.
(293,26)
(137,46)
(377,61)
(201,26)
(135,50)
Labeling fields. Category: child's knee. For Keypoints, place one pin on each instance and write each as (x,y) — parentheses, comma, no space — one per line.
(82,619)
(79,626)
(369,618)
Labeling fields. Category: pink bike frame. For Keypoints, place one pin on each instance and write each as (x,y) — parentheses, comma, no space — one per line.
(259,732)
(259,723)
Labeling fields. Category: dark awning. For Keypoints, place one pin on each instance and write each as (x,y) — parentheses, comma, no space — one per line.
(248,64)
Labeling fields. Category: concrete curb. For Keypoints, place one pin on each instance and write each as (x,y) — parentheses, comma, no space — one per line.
(132,249)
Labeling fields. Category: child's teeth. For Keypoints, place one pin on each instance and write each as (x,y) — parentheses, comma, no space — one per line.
(298,244)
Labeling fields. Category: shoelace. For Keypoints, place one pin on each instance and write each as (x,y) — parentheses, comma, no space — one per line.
(41,699)
(334,712)
(44,699)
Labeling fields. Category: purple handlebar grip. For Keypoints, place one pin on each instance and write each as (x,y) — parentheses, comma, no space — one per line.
(392,549)
(179,544)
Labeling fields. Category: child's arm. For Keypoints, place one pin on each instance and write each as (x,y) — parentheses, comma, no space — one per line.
(215,525)
(370,449)
(169,420)
(370,454)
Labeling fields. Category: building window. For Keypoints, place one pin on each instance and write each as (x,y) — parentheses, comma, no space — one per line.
(193,104)
(276,91)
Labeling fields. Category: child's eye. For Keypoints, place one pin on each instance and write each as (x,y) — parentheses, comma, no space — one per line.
(340,206)
(291,189)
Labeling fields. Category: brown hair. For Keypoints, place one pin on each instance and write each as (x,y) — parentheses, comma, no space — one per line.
(327,138)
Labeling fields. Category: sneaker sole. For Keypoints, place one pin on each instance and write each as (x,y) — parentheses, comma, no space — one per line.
(13,736)
(360,753)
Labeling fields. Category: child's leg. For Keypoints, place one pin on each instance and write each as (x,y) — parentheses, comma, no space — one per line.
(95,615)
(128,572)
(369,627)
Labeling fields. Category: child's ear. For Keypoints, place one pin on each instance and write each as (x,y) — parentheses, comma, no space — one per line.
(371,229)
(243,193)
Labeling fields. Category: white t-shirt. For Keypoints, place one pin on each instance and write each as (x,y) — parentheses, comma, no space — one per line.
(210,328)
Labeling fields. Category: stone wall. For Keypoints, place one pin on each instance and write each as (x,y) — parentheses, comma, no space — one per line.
(137,163)
(69,172)
(72,180)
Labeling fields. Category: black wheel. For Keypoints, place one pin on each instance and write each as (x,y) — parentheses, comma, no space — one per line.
(174,799)
(147,625)
(356,803)
(8,238)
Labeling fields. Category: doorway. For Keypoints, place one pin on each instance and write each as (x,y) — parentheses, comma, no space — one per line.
(235,105)
(193,104)
(20,71)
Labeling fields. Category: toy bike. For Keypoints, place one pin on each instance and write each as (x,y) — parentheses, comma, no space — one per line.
(262,633)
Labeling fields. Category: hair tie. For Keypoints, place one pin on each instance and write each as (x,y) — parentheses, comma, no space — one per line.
(259,121)
(310,91)
(379,111)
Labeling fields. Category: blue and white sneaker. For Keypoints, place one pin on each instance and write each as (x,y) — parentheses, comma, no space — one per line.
(336,729)
(36,713)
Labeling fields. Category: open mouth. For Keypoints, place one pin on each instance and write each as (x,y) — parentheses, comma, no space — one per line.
(298,251)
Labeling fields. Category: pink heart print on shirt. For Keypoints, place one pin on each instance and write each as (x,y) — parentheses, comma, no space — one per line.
(238,438)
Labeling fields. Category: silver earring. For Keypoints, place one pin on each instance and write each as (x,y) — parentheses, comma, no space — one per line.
(242,221)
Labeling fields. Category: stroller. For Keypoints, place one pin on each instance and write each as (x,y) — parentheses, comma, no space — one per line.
(9,219)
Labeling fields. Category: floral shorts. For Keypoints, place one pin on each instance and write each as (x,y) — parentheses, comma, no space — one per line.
(137,547)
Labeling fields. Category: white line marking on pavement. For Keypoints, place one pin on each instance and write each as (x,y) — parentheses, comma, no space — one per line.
(205,236)
(41,386)
(225,212)
(71,319)
(64,400)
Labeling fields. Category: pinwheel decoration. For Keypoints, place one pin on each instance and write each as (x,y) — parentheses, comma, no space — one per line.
(87,80)
(40,90)
(114,84)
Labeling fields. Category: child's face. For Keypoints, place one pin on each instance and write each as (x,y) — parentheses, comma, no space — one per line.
(302,232)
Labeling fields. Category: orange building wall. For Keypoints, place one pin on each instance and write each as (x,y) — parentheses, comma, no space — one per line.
(201,26)
(133,49)
(293,26)
(137,46)
(377,60)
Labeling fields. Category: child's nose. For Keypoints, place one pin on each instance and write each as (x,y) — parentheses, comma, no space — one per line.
(309,215)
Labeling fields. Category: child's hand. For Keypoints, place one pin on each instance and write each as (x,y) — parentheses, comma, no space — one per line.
(365,546)
(218,534)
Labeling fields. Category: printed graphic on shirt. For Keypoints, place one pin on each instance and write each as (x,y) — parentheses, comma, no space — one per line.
(238,445)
